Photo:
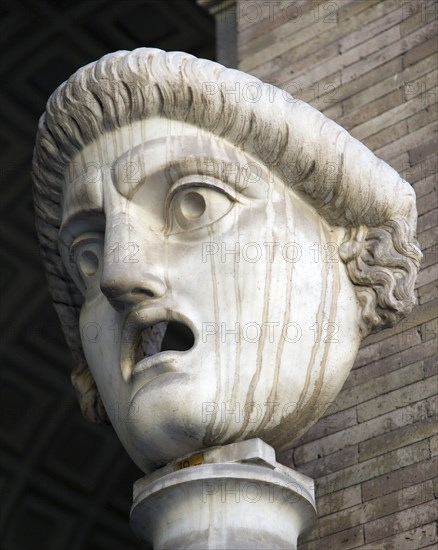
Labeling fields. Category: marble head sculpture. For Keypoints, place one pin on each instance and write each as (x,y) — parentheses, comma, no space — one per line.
(169,188)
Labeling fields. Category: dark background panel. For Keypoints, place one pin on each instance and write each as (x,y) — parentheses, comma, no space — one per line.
(64,483)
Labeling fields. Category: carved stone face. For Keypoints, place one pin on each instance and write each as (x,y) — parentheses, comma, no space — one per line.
(165,222)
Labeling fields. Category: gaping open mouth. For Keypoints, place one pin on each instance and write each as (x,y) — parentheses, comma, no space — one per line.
(153,346)
(162,336)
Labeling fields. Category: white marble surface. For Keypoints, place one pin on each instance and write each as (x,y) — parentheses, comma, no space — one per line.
(275,237)
(170,189)
(276,328)
(224,502)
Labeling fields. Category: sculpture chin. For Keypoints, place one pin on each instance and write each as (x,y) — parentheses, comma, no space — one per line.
(175,412)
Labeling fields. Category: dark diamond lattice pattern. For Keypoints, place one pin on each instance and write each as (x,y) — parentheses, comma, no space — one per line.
(64,484)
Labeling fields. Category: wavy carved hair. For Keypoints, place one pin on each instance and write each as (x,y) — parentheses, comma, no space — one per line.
(315,157)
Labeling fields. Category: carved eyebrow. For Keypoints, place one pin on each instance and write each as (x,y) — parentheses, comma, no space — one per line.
(206,166)
(130,175)
(216,157)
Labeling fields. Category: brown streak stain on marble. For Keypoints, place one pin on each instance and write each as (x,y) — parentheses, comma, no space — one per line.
(209,437)
(236,377)
(277,435)
(288,214)
(332,316)
(261,344)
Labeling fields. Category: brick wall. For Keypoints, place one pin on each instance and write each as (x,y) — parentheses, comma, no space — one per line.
(370,66)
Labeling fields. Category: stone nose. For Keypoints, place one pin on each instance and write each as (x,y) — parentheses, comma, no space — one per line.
(126,289)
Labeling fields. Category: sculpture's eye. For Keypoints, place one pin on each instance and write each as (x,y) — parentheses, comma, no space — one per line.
(194,206)
(86,255)
(88,263)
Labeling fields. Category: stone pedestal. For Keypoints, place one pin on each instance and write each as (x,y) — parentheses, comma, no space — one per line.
(231,497)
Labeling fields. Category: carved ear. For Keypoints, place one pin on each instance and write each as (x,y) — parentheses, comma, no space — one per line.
(88,395)
(382,263)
